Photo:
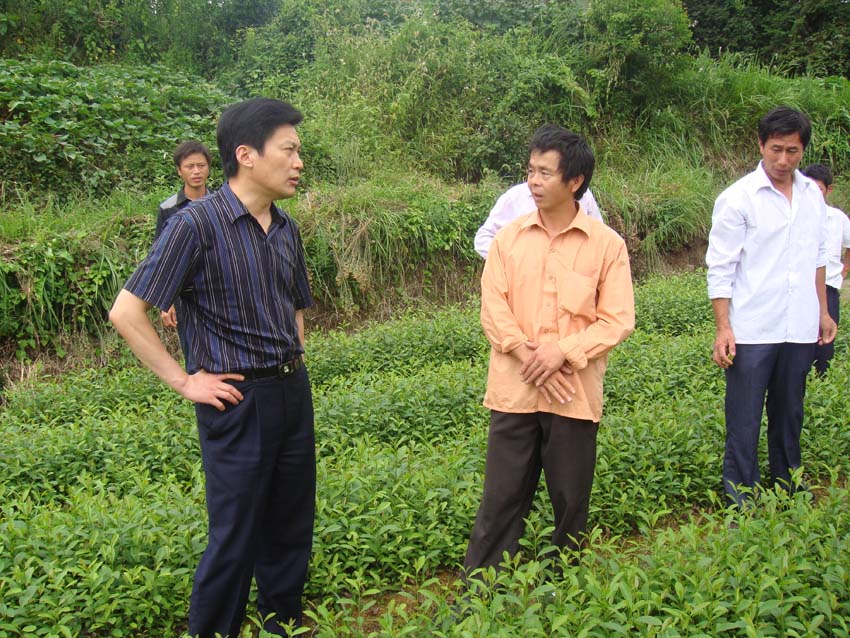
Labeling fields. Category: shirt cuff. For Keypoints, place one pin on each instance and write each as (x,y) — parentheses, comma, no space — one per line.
(573,352)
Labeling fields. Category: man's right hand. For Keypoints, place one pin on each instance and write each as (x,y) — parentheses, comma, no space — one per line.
(205,387)
(724,347)
(169,318)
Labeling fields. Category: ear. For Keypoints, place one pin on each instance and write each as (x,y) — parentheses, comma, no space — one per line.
(575,183)
(245,155)
(829,190)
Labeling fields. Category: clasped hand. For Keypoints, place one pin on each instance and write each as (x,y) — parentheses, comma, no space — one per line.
(545,366)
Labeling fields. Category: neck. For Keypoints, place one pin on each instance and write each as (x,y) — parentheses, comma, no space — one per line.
(257,202)
(786,187)
(193,193)
(560,217)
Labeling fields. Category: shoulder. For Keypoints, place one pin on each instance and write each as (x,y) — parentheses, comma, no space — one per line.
(605,235)
(171,202)
(517,199)
(512,231)
(741,188)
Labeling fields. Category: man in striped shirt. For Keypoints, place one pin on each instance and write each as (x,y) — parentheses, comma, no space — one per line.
(236,263)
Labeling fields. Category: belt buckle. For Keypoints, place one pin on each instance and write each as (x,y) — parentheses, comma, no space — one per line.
(285,369)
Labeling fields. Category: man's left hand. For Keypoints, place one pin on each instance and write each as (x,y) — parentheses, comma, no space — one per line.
(827,331)
(545,360)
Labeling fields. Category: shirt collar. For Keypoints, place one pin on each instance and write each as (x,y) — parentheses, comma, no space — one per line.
(236,209)
(763,181)
(580,222)
(181,197)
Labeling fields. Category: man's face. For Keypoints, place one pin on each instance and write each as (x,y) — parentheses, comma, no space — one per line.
(278,169)
(544,180)
(781,155)
(194,170)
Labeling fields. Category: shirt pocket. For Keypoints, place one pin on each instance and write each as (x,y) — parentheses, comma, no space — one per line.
(577,297)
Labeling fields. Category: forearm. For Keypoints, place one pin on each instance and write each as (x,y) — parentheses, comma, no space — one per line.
(615,315)
(129,316)
(820,286)
(596,340)
(720,307)
(299,321)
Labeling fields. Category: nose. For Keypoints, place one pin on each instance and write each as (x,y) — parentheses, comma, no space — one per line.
(297,163)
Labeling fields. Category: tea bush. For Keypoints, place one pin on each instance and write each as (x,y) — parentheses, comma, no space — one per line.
(103,516)
(419,340)
(673,304)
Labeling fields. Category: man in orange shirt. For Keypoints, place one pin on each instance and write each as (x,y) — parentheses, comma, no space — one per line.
(556,296)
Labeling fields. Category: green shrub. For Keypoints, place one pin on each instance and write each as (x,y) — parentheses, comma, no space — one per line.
(369,237)
(438,95)
(673,304)
(417,342)
(70,128)
(102,517)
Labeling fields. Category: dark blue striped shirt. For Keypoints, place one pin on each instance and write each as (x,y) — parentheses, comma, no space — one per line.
(240,286)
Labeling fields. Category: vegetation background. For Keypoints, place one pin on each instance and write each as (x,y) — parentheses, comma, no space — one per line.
(418,113)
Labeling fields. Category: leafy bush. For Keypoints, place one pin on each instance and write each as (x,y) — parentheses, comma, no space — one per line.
(66,128)
(368,237)
(417,342)
(102,520)
(193,33)
(673,304)
(441,95)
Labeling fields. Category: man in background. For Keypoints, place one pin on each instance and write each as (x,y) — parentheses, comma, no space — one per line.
(192,161)
(517,201)
(766,280)
(838,238)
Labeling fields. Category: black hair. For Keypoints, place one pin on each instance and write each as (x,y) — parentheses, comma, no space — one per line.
(190,147)
(783,120)
(820,173)
(576,158)
(251,123)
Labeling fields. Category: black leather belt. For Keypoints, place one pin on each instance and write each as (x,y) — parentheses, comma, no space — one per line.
(278,371)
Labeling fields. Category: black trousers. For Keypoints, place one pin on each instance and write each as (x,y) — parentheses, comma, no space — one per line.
(825,352)
(777,370)
(519,446)
(260,466)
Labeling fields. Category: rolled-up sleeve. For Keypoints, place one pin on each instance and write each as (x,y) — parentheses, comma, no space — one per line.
(725,243)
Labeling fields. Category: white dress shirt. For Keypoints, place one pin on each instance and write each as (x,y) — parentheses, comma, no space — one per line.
(516,201)
(762,254)
(838,240)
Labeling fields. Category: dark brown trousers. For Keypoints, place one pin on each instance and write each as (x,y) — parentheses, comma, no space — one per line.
(519,446)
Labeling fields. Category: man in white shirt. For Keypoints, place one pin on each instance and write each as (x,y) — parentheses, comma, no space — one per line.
(766,279)
(838,236)
(516,201)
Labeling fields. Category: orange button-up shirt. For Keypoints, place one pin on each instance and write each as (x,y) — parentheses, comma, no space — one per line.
(574,288)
